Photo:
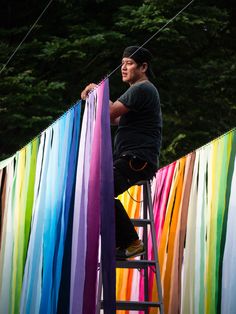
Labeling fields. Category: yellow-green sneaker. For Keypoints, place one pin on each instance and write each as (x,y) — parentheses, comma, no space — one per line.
(135,249)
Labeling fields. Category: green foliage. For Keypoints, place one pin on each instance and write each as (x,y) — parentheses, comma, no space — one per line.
(77,42)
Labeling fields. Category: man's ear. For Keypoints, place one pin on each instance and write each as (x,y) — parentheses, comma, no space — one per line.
(144,67)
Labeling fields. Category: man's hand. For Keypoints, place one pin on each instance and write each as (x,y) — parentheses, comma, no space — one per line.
(87,90)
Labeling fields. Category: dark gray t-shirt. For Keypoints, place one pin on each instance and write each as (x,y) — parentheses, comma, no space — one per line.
(139,130)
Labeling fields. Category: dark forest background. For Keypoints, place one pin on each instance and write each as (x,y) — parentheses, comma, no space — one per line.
(77,42)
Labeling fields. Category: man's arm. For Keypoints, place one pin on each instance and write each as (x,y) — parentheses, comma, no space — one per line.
(117,109)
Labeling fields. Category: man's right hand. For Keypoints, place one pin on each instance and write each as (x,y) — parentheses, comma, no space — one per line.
(87,90)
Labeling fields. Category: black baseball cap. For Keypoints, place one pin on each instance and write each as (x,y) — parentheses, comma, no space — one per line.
(140,55)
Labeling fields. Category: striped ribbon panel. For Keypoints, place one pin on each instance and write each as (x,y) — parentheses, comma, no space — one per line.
(194,209)
(52,209)
(56,197)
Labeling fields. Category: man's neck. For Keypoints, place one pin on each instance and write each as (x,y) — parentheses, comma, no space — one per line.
(142,79)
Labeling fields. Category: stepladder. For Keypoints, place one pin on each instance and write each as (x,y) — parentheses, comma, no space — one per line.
(147,265)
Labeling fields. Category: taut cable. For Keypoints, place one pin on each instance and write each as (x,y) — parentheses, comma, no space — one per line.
(29,31)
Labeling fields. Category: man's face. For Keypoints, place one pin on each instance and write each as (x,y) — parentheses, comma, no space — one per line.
(131,71)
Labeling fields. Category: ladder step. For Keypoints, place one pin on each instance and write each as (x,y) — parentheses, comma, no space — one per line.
(134,305)
(135,263)
(141,222)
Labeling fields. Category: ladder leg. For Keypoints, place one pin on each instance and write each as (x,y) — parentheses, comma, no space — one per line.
(143,263)
(153,235)
(145,241)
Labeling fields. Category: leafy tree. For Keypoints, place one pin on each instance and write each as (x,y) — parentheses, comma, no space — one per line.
(195,80)
(77,42)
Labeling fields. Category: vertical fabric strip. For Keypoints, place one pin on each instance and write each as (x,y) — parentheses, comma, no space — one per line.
(107,207)
(93,212)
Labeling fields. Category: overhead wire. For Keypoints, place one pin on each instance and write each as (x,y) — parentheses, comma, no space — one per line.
(27,34)
(151,37)
(112,72)
(106,77)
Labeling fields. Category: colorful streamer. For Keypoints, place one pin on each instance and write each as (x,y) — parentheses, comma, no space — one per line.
(42,187)
(94,176)
(194,211)
(56,198)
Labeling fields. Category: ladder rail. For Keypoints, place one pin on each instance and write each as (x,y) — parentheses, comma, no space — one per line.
(143,263)
(145,241)
(154,244)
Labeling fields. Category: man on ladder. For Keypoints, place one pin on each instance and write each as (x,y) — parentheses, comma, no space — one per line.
(137,141)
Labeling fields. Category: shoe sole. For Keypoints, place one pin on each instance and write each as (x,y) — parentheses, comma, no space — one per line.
(131,256)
